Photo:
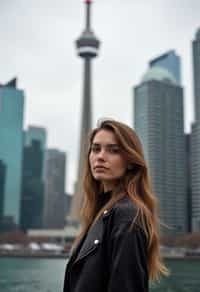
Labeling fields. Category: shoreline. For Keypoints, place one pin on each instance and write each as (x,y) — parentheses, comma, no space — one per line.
(35,255)
(66,256)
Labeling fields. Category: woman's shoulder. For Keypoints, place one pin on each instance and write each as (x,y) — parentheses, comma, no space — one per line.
(124,217)
(124,210)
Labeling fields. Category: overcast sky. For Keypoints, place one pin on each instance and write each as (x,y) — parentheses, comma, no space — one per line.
(37,45)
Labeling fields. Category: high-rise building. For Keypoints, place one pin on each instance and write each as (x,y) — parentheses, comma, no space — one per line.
(195,136)
(195,177)
(2,186)
(67,205)
(32,198)
(196,73)
(11,145)
(54,216)
(189,186)
(169,61)
(87,46)
(158,115)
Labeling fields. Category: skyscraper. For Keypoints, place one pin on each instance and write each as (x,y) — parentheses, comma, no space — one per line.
(169,61)
(11,145)
(196,73)
(54,203)
(189,185)
(158,109)
(67,205)
(32,198)
(195,136)
(2,187)
(87,46)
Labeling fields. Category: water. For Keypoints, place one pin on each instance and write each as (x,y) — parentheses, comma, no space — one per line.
(31,275)
(185,277)
(46,275)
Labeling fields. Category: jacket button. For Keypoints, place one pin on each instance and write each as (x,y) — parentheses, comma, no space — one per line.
(96,241)
(105,212)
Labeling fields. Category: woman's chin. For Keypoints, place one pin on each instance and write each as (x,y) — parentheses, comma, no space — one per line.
(100,177)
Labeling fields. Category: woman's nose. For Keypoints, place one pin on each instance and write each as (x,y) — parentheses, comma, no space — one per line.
(101,154)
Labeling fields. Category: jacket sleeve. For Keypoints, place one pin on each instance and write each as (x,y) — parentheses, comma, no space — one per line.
(127,255)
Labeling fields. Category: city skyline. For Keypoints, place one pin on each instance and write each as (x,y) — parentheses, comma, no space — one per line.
(40,52)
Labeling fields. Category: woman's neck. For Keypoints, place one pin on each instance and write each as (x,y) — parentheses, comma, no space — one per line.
(107,187)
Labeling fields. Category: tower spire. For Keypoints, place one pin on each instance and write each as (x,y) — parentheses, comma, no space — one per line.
(88,3)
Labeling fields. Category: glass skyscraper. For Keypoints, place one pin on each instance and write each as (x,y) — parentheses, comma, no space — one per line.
(54,216)
(158,116)
(2,187)
(195,136)
(169,61)
(32,199)
(11,145)
(196,73)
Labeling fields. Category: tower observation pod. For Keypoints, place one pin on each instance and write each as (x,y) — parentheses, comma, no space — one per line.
(87,44)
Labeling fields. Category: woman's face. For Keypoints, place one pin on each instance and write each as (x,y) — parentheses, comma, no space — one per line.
(106,161)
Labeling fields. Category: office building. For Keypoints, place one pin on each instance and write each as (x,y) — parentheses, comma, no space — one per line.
(189,185)
(159,122)
(55,163)
(32,199)
(195,136)
(11,145)
(2,187)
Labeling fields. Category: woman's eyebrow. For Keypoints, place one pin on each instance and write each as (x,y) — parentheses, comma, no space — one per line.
(109,144)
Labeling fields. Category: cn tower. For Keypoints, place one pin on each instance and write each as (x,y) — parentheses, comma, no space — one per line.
(87,47)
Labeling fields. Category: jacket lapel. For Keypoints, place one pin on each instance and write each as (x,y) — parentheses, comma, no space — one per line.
(92,240)
(73,252)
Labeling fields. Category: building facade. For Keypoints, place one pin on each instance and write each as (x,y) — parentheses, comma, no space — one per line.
(158,120)
(195,176)
(32,198)
(11,145)
(195,136)
(189,184)
(67,206)
(2,187)
(54,204)
(196,73)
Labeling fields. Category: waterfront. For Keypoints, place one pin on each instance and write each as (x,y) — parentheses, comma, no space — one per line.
(31,275)
(46,275)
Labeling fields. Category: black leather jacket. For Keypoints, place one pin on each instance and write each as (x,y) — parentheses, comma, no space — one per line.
(110,258)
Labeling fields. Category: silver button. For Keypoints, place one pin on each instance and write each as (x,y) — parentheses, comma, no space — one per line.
(96,241)
(105,212)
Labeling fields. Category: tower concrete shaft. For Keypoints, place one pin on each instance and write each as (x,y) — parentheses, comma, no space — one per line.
(87,48)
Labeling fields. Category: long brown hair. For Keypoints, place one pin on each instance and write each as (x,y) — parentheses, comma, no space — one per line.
(135,183)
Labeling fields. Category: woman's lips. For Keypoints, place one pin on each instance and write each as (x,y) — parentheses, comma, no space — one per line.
(100,168)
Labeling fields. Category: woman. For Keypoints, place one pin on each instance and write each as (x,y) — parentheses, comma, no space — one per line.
(118,248)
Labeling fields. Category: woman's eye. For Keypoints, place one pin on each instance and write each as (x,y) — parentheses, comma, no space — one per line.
(114,150)
(95,149)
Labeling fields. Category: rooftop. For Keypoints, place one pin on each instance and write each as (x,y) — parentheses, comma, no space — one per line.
(159,74)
